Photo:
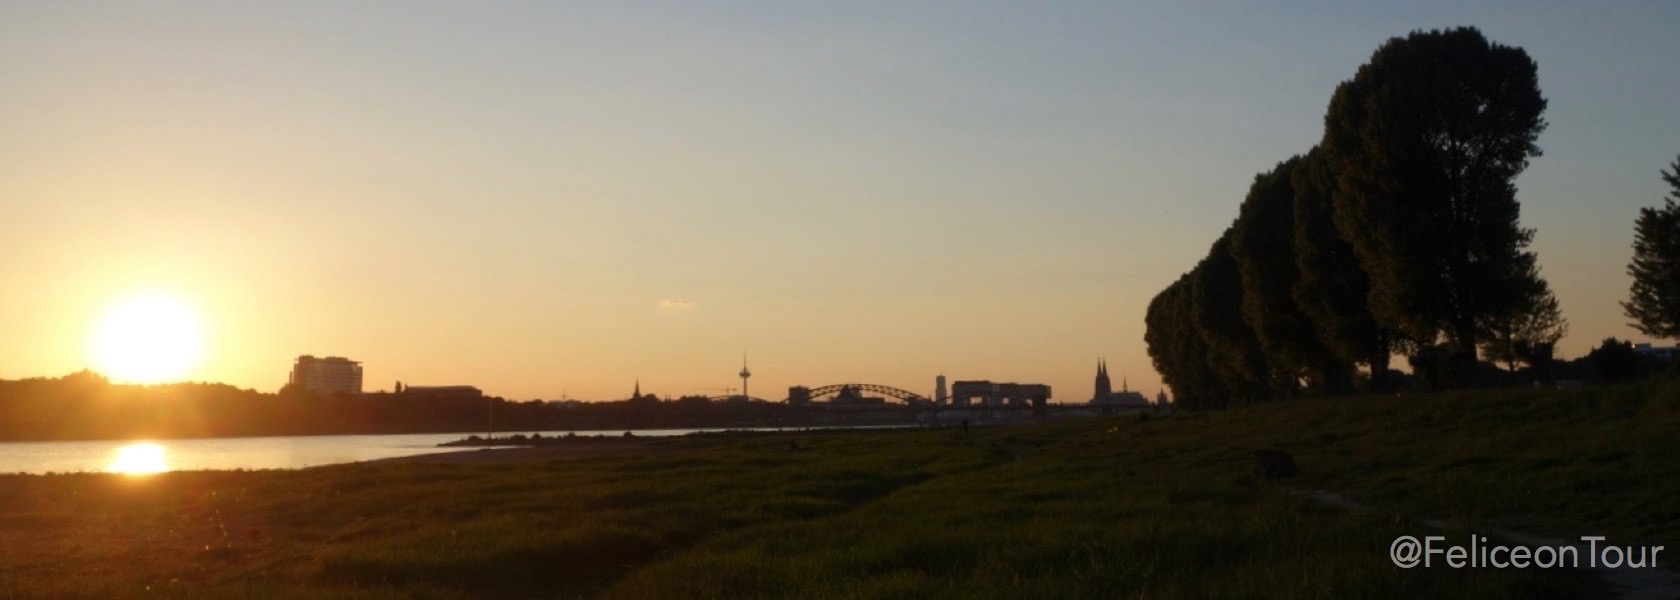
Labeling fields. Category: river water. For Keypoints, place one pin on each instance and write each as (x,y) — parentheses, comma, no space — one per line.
(277,452)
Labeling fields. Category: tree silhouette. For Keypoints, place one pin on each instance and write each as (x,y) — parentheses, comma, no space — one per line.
(1426,141)
(1614,361)
(1331,288)
(1233,351)
(1529,333)
(1177,349)
(1262,243)
(1398,232)
(1654,304)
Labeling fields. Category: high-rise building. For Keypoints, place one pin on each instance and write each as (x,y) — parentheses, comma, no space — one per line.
(327,376)
(939,394)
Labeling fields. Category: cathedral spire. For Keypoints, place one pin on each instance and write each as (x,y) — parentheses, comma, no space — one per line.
(1102,388)
(638,393)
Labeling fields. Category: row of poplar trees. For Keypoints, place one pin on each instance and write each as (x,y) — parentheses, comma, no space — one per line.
(1397,234)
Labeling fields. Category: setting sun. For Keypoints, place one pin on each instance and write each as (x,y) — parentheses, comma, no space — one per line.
(143,458)
(147,338)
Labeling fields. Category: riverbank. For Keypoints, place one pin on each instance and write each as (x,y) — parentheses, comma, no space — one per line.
(273,452)
(1093,508)
(496,451)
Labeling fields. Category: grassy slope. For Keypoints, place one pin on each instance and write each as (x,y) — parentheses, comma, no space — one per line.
(1161,507)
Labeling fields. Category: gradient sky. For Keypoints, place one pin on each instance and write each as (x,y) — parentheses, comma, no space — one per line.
(558,198)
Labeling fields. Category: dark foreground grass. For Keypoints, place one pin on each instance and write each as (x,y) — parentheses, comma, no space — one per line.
(1127,506)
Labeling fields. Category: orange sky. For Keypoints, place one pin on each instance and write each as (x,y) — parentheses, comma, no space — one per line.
(543,201)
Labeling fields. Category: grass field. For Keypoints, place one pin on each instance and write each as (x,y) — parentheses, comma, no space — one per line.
(1126,506)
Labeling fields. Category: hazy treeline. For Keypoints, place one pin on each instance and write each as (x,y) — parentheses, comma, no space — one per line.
(86,406)
(1397,234)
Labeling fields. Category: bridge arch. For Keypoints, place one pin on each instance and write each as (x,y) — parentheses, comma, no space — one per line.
(903,396)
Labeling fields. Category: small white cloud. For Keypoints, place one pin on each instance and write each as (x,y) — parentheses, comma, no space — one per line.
(676,305)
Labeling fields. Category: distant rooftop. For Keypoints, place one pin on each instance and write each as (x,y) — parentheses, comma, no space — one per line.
(335,359)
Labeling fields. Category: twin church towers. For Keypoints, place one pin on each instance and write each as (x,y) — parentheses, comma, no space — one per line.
(1104,390)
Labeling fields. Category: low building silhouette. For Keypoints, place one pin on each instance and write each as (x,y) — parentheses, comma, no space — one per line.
(1664,353)
(441,392)
(987,393)
(799,395)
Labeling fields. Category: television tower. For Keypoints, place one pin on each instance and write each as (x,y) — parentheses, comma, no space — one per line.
(744,375)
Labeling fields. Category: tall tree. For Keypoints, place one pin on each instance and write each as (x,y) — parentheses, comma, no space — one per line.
(1233,352)
(1654,304)
(1262,242)
(1528,334)
(1331,287)
(1177,349)
(1426,141)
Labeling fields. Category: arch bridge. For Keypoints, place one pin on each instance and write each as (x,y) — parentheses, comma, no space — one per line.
(903,396)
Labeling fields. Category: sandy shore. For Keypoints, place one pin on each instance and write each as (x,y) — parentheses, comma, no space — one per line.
(580,448)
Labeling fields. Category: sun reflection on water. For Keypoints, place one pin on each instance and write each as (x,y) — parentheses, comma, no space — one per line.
(141,458)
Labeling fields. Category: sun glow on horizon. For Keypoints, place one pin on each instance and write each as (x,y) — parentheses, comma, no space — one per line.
(140,458)
(147,338)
